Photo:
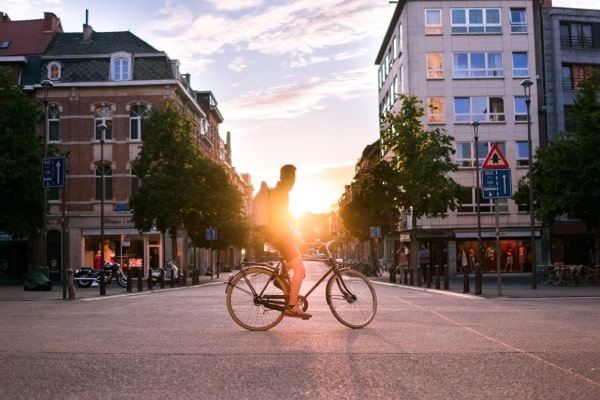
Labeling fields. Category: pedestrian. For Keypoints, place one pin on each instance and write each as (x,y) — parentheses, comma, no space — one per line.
(284,238)
(424,261)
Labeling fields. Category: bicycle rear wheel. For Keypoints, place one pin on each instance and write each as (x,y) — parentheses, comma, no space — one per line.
(253,301)
(351,298)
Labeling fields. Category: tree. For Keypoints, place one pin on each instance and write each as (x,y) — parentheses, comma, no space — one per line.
(567,171)
(180,187)
(421,161)
(21,153)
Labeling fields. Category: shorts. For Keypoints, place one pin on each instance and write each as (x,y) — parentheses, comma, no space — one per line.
(285,245)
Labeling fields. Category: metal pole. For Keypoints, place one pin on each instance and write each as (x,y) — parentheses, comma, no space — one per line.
(478,196)
(527,83)
(45,84)
(102,127)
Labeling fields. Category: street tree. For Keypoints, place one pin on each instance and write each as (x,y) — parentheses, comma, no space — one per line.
(567,171)
(21,153)
(421,160)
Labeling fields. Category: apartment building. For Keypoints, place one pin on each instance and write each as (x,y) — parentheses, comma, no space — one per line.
(466,60)
(571,44)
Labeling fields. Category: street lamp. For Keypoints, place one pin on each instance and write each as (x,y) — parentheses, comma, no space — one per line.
(527,83)
(45,84)
(475,125)
(102,127)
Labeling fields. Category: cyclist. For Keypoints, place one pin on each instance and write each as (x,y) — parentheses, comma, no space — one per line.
(283,237)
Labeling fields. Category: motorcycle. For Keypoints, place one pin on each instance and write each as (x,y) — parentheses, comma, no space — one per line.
(85,277)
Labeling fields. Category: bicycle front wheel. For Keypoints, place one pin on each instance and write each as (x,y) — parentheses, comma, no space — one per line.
(351,298)
(254,301)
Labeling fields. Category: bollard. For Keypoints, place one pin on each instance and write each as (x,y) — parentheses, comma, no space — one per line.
(428,276)
(446,277)
(195,277)
(172,279)
(411,276)
(102,283)
(150,280)
(393,274)
(162,278)
(477,278)
(70,284)
(466,279)
(437,276)
(129,273)
(405,272)
(419,277)
(140,279)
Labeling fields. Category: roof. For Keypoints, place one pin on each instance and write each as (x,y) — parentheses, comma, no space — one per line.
(27,37)
(73,44)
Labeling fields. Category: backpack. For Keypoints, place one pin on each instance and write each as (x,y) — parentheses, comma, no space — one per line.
(260,208)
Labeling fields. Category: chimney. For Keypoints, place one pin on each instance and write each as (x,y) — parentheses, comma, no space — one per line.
(546,3)
(87,29)
(4,17)
(51,23)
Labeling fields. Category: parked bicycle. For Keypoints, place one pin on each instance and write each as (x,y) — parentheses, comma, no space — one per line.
(257,295)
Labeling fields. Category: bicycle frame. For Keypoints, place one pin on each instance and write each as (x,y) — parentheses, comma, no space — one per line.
(261,298)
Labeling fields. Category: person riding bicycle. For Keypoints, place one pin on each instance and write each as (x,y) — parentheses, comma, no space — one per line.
(284,238)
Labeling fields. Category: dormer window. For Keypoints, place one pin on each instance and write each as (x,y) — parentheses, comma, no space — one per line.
(54,71)
(120,67)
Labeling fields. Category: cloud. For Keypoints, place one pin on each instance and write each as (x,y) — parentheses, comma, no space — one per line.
(237,64)
(227,5)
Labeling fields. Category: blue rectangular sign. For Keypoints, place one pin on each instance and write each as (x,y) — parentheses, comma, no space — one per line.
(496,183)
(53,172)
(211,234)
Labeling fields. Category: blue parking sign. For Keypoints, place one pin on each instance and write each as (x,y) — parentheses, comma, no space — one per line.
(53,172)
(496,184)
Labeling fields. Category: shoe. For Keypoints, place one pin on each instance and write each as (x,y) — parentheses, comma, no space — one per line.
(296,312)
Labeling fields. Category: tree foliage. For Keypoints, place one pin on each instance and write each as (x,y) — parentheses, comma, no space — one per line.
(21,153)
(180,188)
(567,172)
(421,161)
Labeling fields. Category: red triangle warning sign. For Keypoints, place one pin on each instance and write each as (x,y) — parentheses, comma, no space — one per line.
(495,159)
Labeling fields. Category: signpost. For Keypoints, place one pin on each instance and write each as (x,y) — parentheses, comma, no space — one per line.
(53,172)
(211,235)
(496,184)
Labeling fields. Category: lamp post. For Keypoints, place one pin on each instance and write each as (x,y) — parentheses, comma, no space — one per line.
(45,84)
(475,125)
(527,83)
(102,128)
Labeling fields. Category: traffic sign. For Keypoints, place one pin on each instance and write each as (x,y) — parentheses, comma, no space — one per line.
(495,159)
(53,172)
(211,234)
(496,183)
(375,232)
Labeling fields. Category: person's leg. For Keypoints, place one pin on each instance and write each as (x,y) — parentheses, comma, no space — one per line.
(297,266)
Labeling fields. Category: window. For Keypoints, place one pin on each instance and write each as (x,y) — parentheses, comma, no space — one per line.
(520,65)
(136,114)
(573,74)
(520,109)
(477,65)
(476,20)
(435,67)
(522,154)
(53,124)
(54,71)
(576,35)
(435,106)
(107,182)
(518,20)
(433,22)
(465,153)
(120,65)
(468,202)
(482,109)
(400,40)
(103,115)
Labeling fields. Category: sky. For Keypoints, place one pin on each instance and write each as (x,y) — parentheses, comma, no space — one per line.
(295,80)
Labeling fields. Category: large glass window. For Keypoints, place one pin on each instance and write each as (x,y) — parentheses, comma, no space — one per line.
(518,20)
(435,67)
(520,109)
(522,153)
(136,114)
(433,22)
(477,65)
(476,20)
(107,182)
(520,65)
(481,109)
(103,115)
(576,35)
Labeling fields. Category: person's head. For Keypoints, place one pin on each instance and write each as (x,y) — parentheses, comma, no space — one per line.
(287,174)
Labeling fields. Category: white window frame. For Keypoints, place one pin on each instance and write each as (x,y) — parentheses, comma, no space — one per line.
(481,116)
(58,70)
(469,27)
(436,113)
(120,66)
(471,72)
(434,71)
(433,28)
(519,26)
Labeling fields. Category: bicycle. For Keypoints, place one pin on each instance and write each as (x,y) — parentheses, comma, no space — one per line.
(257,295)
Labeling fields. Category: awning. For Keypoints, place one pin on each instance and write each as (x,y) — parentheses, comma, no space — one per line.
(116,231)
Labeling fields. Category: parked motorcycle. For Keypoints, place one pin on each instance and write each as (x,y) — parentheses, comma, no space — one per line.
(85,277)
